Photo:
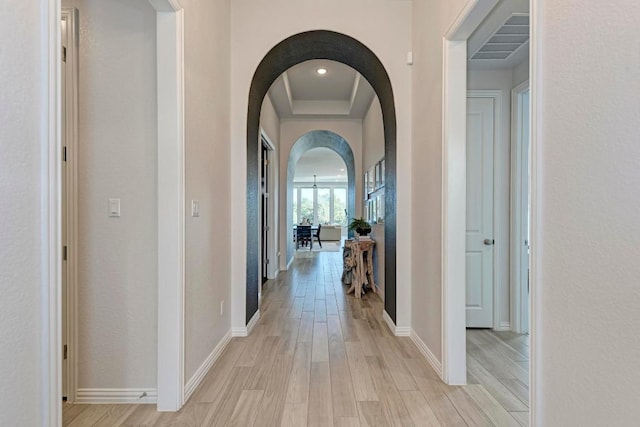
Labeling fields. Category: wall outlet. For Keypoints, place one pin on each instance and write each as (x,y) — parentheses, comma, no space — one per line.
(221,307)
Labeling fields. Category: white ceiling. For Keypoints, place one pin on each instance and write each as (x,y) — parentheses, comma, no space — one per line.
(300,92)
(502,39)
(325,163)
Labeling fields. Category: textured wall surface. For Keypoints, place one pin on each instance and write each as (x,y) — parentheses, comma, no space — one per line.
(117,257)
(431,20)
(207,178)
(588,204)
(22,98)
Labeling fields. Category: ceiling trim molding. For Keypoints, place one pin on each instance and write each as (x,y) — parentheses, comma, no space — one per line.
(166,5)
(354,90)
(469,18)
(287,89)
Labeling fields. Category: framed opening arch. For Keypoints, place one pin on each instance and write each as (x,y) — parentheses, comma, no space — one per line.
(319,44)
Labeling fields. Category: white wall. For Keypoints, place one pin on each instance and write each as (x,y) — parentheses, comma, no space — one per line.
(500,79)
(588,210)
(23,70)
(207,33)
(117,257)
(270,124)
(431,20)
(390,45)
(290,132)
(521,72)
(372,152)
(372,136)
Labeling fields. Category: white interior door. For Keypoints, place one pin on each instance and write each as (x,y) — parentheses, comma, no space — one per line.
(479,215)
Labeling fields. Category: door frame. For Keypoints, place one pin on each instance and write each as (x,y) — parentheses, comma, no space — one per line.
(273,188)
(267,145)
(454,125)
(171,204)
(71,201)
(519,210)
(454,367)
(51,279)
(170,69)
(497,96)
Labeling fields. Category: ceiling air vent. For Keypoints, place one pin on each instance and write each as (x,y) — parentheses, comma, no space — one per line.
(506,40)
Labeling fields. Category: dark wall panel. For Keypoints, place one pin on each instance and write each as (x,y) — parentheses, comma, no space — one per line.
(291,51)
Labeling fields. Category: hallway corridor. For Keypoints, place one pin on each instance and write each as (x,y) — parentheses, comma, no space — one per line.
(317,357)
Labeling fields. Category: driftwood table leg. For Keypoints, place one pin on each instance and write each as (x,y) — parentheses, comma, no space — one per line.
(372,283)
(356,283)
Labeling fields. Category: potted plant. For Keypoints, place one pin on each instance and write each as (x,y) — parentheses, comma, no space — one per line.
(361,226)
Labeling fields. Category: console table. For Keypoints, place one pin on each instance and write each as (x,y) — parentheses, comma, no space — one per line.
(358,265)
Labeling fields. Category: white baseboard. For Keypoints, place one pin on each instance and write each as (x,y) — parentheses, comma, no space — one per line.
(116,395)
(399,331)
(427,353)
(403,331)
(244,331)
(290,262)
(389,322)
(503,326)
(253,322)
(275,274)
(202,371)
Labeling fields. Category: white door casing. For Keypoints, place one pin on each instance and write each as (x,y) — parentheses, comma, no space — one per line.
(453,195)
(68,203)
(171,204)
(479,212)
(520,208)
(63,210)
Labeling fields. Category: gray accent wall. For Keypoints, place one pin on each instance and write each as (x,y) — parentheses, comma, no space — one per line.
(301,47)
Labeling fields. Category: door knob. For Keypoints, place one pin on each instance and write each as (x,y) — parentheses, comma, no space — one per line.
(489,242)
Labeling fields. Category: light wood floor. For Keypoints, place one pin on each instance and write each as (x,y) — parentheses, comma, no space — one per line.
(321,358)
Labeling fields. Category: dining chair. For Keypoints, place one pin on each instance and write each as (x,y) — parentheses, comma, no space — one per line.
(303,236)
(317,235)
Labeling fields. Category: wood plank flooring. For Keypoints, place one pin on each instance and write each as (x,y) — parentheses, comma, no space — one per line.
(319,357)
(498,374)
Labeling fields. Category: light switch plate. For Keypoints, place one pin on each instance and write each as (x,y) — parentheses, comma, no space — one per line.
(114,208)
(195,208)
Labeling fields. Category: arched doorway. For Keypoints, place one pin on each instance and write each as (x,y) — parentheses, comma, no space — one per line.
(319,139)
(320,44)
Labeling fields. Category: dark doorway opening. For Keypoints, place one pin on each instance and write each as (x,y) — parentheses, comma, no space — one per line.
(264,186)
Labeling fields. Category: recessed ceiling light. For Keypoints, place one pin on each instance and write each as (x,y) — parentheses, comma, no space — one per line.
(341,170)
(321,71)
